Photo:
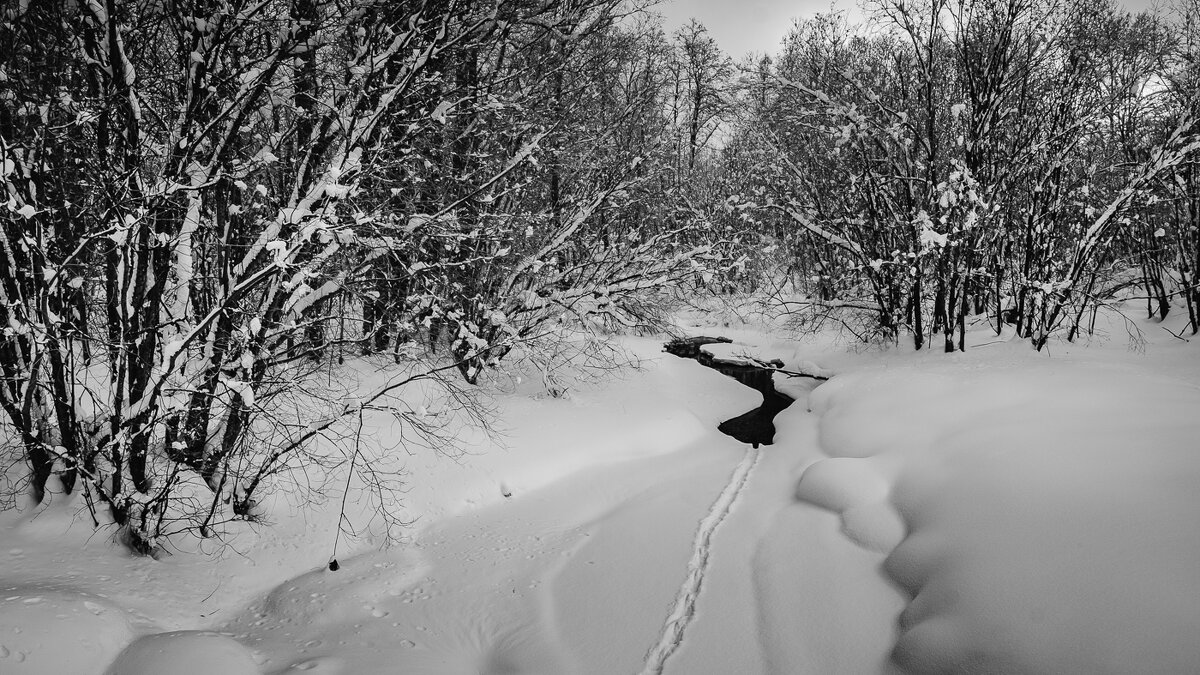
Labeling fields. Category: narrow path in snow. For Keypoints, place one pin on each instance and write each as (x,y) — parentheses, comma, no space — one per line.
(689,592)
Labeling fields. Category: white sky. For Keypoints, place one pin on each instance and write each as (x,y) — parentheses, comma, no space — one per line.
(743,26)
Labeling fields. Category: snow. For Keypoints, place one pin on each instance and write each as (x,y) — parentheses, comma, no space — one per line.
(999,510)
(34,619)
(1060,543)
(185,653)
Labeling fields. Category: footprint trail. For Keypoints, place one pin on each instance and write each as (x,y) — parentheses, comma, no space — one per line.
(685,602)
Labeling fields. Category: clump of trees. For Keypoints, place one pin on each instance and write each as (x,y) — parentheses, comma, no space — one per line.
(1021,160)
(207,203)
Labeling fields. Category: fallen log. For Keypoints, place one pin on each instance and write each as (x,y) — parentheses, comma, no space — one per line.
(689,348)
(692,348)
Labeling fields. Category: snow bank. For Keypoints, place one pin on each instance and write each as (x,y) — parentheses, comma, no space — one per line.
(44,629)
(635,414)
(495,583)
(1040,516)
(320,598)
(185,653)
(267,584)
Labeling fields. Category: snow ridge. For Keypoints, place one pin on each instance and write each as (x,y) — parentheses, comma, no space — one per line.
(685,602)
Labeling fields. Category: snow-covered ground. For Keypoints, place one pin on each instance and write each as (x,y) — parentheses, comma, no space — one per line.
(997,511)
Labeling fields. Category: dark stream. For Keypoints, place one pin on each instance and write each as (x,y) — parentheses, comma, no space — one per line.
(756,427)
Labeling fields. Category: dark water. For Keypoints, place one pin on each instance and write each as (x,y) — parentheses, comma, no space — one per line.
(756,427)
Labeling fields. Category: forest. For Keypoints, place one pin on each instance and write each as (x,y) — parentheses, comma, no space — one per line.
(210,206)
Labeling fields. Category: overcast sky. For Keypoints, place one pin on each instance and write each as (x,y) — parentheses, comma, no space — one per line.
(742,26)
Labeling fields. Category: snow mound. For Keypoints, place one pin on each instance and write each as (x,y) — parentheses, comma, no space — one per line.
(856,490)
(544,441)
(1044,515)
(352,593)
(840,483)
(47,631)
(184,652)
(875,526)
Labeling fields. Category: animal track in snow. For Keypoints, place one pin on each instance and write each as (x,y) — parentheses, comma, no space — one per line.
(685,602)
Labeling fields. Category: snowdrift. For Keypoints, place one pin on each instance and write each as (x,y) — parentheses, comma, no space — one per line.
(998,511)
(1040,519)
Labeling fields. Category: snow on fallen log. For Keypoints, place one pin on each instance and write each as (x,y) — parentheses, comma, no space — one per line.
(701,349)
(807,369)
(690,347)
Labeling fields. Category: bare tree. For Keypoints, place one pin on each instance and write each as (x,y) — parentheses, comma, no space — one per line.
(972,158)
(199,199)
